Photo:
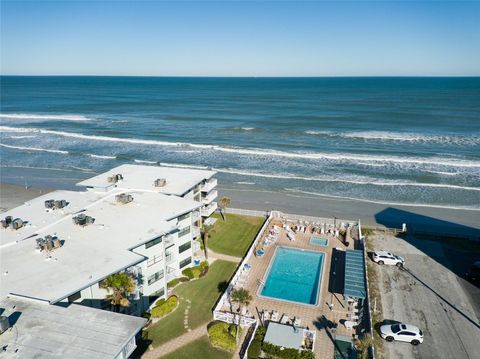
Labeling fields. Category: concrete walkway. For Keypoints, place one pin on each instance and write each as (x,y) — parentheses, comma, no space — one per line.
(176,343)
(225,257)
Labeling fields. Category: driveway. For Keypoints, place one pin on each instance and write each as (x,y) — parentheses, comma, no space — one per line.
(427,293)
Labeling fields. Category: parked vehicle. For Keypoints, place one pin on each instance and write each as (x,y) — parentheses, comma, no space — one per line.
(383,257)
(473,274)
(402,333)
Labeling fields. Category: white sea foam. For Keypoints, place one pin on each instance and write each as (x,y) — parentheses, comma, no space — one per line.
(180,165)
(103,157)
(145,161)
(402,137)
(247,128)
(299,191)
(339,157)
(48,168)
(19,137)
(44,117)
(360,181)
(33,149)
(248,183)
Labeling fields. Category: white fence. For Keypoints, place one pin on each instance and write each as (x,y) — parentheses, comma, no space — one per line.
(247,212)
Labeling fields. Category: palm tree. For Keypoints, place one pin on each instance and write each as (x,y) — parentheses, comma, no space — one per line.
(363,344)
(242,297)
(223,203)
(118,286)
(206,231)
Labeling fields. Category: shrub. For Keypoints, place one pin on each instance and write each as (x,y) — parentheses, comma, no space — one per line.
(184,279)
(254,349)
(163,307)
(188,272)
(203,265)
(196,272)
(175,281)
(220,336)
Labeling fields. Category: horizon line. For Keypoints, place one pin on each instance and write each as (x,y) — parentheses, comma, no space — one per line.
(244,76)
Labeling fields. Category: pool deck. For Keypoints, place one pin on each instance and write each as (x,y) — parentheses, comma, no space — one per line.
(310,315)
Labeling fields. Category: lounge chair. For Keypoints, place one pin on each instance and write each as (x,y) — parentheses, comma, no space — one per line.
(285,319)
(260,253)
(297,322)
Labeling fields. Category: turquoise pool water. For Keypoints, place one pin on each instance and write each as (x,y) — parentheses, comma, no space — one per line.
(294,275)
(317,241)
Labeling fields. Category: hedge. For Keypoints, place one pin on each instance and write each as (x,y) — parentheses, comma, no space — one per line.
(163,307)
(286,353)
(222,336)
(175,281)
(196,272)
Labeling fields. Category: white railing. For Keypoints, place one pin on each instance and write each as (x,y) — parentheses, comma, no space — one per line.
(195,231)
(210,197)
(224,298)
(232,318)
(208,210)
(209,185)
(247,212)
(196,216)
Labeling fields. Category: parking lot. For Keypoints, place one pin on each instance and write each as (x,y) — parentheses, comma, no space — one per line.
(429,293)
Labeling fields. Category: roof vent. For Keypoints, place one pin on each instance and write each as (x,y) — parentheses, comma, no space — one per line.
(115,178)
(123,198)
(160,182)
(55,204)
(83,220)
(16,223)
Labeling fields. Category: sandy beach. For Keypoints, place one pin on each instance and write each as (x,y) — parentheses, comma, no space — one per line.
(424,219)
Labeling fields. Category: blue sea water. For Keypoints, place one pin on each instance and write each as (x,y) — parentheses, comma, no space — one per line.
(388,140)
(294,275)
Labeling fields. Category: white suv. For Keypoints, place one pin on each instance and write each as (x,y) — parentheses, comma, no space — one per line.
(402,333)
(382,257)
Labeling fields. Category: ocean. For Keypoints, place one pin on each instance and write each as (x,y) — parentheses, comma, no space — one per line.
(413,141)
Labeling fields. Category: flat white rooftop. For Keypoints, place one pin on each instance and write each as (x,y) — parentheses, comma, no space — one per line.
(37,216)
(178,180)
(50,331)
(89,253)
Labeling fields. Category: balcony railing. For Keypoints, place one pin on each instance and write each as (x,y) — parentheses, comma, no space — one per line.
(196,216)
(210,197)
(209,185)
(208,210)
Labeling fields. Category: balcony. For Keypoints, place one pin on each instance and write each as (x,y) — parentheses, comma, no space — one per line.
(207,211)
(209,185)
(195,231)
(210,197)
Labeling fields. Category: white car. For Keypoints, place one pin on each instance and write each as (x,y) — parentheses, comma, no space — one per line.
(383,257)
(402,333)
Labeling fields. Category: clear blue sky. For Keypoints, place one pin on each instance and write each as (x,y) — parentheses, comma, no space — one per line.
(240,38)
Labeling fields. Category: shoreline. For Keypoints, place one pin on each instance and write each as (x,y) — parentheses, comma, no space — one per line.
(457,222)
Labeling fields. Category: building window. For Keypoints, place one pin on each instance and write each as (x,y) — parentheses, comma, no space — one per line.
(185,262)
(155,277)
(183,216)
(184,247)
(153,242)
(184,231)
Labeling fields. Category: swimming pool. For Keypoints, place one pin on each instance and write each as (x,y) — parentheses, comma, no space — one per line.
(294,275)
(317,241)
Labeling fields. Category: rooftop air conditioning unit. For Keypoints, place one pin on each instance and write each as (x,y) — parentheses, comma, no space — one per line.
(123,198)
(17,223)
(60,204)
(83,220)
(50,203)
(115,178)
(160,182)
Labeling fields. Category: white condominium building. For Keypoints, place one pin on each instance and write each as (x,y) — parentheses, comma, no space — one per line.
(58,248)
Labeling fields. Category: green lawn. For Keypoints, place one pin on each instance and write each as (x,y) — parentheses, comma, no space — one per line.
(203,293)
(200,348)
(234,236)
